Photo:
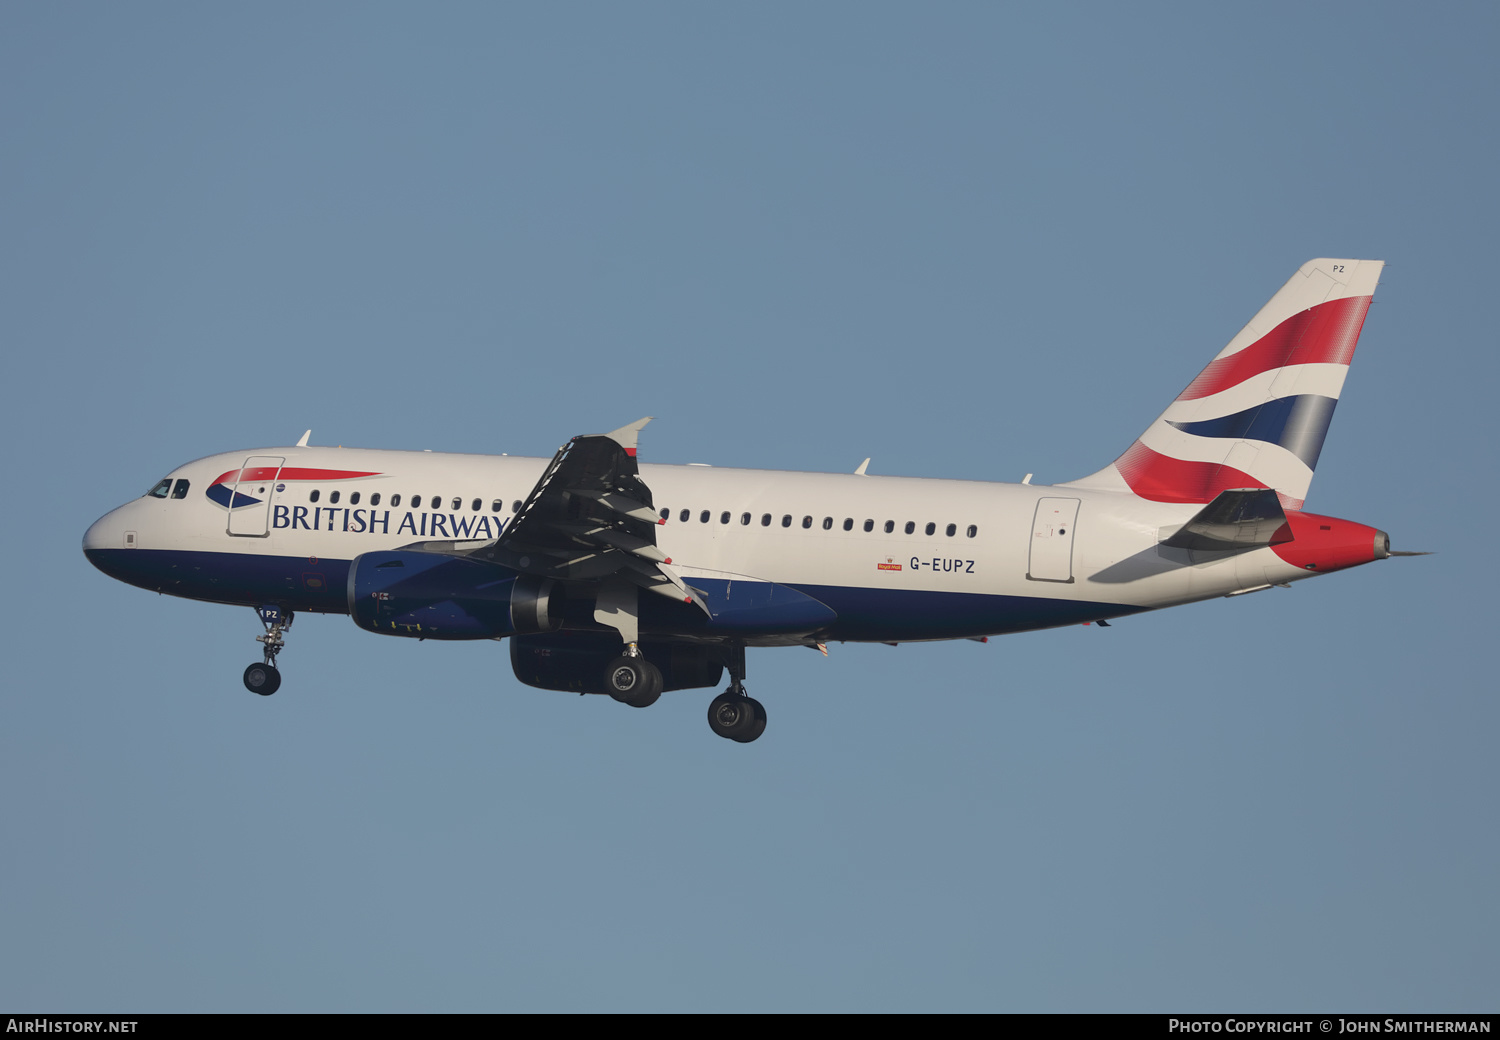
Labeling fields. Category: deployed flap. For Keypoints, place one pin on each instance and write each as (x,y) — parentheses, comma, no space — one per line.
(1243,518)
(591,518)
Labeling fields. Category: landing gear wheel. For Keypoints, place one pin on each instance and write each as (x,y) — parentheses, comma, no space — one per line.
(758,726)
(633,680)
(263,679)
(737,718)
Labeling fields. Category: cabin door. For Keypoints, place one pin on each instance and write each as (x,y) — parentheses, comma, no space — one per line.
(250,499)
(1052,540)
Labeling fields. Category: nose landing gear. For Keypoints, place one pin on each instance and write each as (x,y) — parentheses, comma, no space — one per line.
(264,678)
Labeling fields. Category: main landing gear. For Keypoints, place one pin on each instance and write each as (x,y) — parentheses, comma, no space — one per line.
(633,680)
(263,678)
(734,714)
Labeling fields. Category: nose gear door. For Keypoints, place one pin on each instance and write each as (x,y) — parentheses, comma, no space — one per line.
(250,501)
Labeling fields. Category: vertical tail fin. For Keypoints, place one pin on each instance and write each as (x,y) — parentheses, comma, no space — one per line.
(1257,415)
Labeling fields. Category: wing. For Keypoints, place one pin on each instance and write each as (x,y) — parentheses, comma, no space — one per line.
(591,518)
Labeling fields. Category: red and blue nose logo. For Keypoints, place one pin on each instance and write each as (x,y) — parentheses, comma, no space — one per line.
(239,488)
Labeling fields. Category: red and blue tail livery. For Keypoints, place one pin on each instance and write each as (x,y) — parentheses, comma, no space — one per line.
(607,575)
(1257,415)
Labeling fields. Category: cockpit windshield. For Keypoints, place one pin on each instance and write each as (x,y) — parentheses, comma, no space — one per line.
(161,489)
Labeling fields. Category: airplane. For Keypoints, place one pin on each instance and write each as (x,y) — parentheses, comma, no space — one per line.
(610,576)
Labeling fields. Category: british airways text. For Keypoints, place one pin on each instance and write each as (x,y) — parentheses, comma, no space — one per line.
(378,521)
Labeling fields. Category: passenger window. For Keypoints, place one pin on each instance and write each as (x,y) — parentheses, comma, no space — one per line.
(458,503)
(477,504)
(806,522)
(724,518)
(180,489)
(703,517)
(395,501)
(334,498)
(786,520)
(682,517)
(890,525)
(869,526)
(931,528)
(375,499)
(951,530)
(516,507)
(354,499)
(910,526)
(745,519)
(666,514)
(496,506)
(973,530)
(314,496)
(848,523)
(828,523)
(161,489)
(765,519)
(416,501)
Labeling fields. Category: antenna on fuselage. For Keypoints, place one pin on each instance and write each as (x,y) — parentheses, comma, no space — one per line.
(303,442)
(861,471)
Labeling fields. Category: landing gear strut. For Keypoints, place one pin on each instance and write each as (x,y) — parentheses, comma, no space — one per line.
(734,714)
(263,678)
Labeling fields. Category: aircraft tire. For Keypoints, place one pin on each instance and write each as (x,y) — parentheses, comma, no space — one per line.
(757,725)
(263,679)
(733,717)
(633,680)
(651,693)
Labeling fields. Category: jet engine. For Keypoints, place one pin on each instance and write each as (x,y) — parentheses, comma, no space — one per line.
(432,596)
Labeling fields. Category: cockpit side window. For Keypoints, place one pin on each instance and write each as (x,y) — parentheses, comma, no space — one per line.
(161,489)
(180,489)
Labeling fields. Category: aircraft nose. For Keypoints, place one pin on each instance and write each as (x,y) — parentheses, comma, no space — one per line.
(94,537)
(107,533)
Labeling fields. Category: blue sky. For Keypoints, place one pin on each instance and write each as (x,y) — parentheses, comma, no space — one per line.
(968,240)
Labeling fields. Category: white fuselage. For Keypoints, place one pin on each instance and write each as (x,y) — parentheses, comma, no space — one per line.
(979,558)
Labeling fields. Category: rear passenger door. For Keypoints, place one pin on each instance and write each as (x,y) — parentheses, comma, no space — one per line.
(1052,540)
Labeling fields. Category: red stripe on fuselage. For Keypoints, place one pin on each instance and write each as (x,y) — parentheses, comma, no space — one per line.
(292,473)
(1321,335)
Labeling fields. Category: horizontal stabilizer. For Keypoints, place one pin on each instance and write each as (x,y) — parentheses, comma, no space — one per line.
(1242,518)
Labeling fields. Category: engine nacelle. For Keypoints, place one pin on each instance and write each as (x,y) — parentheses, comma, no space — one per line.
(575,661)
(431,596)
